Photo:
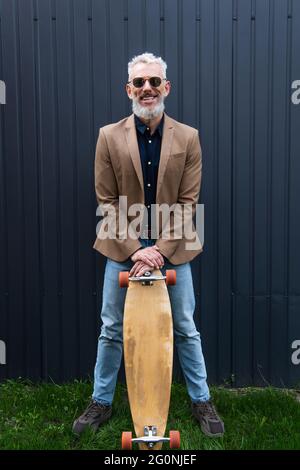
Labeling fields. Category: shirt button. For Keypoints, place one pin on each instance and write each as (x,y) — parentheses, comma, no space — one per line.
(149,163)
(149,185)
(150,141)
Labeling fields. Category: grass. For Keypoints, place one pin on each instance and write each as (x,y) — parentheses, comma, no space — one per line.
(41,416)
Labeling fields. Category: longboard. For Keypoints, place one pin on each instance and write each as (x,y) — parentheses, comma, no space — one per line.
(148,357)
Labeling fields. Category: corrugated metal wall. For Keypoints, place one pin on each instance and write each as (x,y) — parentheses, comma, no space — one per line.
(231,64)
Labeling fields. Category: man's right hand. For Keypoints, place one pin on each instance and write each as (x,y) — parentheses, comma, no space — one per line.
(150,256)
(139,268)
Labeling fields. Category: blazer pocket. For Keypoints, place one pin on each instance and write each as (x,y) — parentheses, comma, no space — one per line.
(178,155)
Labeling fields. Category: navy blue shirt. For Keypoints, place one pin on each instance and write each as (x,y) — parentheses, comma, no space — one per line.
(149,147)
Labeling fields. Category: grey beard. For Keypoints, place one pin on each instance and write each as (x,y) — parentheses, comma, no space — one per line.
(145,113)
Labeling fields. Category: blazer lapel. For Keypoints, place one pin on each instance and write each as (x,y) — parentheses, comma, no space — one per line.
(134,148)
(166,146)
(165,152)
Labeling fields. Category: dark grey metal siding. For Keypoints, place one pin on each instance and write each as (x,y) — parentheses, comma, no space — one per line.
(231,64)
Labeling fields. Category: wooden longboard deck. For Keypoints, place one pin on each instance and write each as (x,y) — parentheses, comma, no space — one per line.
(148,354)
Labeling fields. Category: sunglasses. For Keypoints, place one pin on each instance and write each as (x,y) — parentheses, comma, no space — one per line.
(139,82)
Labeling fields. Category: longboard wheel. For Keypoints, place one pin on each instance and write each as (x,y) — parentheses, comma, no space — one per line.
(127,440)
(170,277)
(174,439)
(123,278)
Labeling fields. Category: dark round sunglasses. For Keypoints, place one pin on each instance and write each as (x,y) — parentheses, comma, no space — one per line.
(139,82)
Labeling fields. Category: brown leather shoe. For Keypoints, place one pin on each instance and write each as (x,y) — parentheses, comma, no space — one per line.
(210,422)
(94,415)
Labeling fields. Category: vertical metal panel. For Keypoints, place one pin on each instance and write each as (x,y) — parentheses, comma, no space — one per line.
(262,92)
(67,160)
(171,49)
(118,59)
(101,86)
(50,189)
(135,21)
(231,64)
(243,192)
(279,191)
(293,294)
(30,187)
(224,206)
(209,194)
(154,23)
(13,164)
(3,219)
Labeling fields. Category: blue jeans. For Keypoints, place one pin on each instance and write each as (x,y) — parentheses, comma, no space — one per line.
(187,339)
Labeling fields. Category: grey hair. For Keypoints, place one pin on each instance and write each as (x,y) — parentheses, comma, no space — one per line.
(147,58)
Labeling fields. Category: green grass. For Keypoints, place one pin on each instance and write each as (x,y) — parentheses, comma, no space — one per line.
(41,416)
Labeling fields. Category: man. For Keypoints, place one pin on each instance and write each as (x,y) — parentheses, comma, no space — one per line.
(151,159)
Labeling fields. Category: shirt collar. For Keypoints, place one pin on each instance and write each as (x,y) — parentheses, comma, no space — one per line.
(141,127)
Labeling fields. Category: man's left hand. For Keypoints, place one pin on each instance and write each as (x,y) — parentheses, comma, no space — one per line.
(149,255)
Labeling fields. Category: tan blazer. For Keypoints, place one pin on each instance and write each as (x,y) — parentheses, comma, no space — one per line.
(118,172)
